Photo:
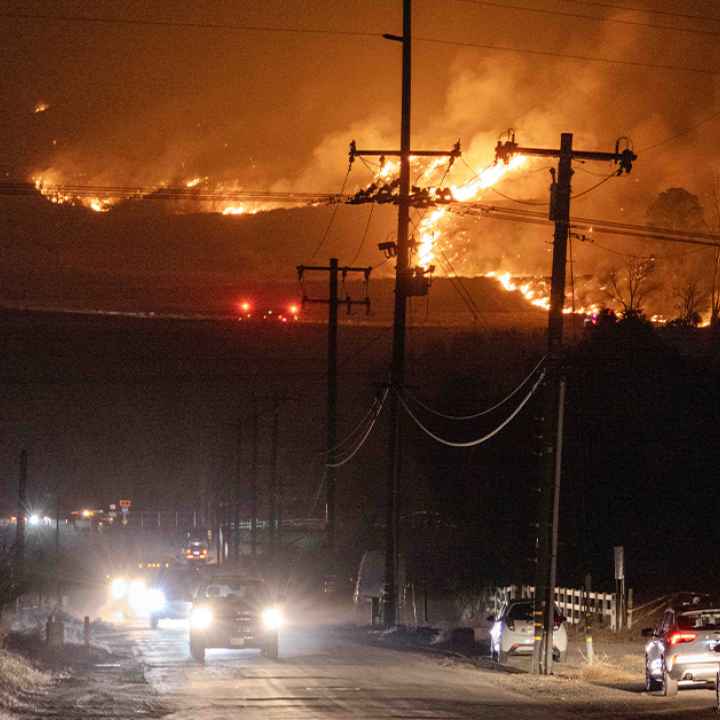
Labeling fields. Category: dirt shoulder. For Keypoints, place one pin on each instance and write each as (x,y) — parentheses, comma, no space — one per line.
(103,680)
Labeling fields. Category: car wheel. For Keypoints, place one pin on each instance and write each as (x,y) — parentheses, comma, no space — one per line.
(669,685)
(154,622)
(197,650)
(651,684)
(270,649)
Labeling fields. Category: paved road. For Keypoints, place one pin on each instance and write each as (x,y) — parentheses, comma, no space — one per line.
(320,674)
(323,673)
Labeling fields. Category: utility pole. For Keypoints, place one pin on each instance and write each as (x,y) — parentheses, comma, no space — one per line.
(332,302)
(554,384)
(237,494)
(408,282)
(58,590)
(21,517)
(254,483)
(274,495)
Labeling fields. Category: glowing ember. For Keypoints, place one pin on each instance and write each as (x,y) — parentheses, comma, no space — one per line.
(98,205)
(234,210)
(41,107)
(195,181)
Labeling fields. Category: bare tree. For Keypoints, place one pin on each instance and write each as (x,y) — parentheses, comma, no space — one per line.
(715,285)
(631,285)
(691,299)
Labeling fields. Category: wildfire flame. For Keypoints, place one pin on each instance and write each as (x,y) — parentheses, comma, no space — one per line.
(536,292)
(41,107)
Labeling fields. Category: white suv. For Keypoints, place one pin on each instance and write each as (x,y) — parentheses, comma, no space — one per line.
(512,632)
(684,647)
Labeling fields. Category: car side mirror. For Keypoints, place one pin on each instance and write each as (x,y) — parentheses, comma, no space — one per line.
(647,632)
(490,618)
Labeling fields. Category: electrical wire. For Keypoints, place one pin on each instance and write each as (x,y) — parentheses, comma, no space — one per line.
(460,288)
(587,191)
(365,234)
(517,200)
(476,415)
(353,432)
(183,24)
(593,18)
(680,134)
(324,31)
(364,438)
(653,11)
(568,56)
(332,215)
(480,440)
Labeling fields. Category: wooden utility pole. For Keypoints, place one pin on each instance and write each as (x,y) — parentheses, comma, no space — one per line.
(21,516)
(554,384)
(254,482)
(275,520)
(408,282)
(332,302)
(237,494)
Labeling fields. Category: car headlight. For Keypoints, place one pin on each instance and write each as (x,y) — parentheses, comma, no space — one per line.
(118,588)
(136,595)
(155,600)
(273,618)
(200,618)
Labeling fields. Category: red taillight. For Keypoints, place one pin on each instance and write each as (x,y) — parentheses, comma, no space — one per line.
(682,637)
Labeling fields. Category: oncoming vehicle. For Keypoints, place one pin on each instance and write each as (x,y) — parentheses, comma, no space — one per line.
(512,632)
(683,649)
(233,611)
(171,594)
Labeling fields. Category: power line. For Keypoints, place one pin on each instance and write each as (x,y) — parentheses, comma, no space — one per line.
(366,435)
(476,415)
(364,235)
(688,130)
(518,200)
(332,215)
(477,441)
(594,187)
(364,34)
(184,24)
(653,11)
(568,56)
(595,18)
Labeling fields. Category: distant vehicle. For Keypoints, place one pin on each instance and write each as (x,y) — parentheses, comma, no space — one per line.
(512,632)
(233,611)
(683,647)
(170,594)
(277,313)
(196,551)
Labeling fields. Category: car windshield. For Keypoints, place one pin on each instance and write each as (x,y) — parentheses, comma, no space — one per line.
(231,587)
(700,619)
(520,611)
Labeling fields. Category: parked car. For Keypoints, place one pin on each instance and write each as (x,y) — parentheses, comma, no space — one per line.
(512,632)
(683,647)
(234,611)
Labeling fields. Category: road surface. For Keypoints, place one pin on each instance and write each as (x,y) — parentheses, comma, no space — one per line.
(331,674)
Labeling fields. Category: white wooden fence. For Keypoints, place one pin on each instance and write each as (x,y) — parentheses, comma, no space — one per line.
(574,603)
